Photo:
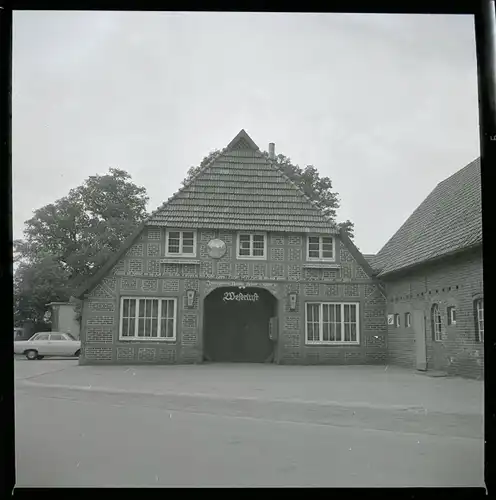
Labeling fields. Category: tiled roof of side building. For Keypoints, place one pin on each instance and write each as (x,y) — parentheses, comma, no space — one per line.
(243,190)
(447,221)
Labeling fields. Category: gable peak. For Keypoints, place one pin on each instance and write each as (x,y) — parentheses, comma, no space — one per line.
(242,142)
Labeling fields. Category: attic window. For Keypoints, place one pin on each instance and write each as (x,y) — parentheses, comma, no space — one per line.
(320,248)
(181,243)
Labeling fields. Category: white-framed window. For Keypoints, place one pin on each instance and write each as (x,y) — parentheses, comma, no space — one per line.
(437,324)
(451,315)
(397,321)
(332,323)
(479,319)
(180,243)
(148,318)
(321,248)
(408,320)
(252,246)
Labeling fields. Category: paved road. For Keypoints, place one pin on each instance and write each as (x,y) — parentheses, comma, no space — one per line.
(76,438)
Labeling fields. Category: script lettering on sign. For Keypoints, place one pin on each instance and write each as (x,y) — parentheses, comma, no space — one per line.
(249,297)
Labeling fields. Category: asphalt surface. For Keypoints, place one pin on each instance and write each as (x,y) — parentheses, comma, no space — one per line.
(90,438)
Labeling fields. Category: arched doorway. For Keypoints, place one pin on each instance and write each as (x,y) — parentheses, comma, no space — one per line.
(236,325)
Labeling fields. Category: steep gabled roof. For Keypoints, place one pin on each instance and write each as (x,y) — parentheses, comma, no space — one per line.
(242,189)
(449,220)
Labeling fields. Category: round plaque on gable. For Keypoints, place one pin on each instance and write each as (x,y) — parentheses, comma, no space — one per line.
(216,248)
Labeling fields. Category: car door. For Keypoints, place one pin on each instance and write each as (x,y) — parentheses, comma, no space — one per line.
(58,344)
(41,343)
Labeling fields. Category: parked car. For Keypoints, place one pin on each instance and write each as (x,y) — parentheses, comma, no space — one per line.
(48,344)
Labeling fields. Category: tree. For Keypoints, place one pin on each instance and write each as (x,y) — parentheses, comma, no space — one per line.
(318,189)
(73,237)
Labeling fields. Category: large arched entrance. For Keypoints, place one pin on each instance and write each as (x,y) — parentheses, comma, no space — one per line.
(236,325)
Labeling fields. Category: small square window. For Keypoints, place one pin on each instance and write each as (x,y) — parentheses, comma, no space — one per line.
(397,321)
(408,320)
(451,315)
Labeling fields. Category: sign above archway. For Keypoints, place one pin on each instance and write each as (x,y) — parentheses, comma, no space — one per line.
(244,297)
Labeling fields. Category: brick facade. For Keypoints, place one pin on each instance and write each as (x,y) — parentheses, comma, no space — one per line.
(141,273)
(453,282)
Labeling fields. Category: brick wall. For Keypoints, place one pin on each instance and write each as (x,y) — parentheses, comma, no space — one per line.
(452,282)
(141,274)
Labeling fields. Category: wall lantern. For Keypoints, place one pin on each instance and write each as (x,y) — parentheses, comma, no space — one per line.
(292,301)
(191,297)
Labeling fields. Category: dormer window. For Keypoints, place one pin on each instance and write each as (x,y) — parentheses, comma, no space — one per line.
(181,243)
(320,248)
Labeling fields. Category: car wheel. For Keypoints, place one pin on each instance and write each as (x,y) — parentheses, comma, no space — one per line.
(78,353)
(40,357)
(31,355)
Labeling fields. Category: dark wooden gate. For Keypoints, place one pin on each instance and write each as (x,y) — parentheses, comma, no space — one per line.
(236,327)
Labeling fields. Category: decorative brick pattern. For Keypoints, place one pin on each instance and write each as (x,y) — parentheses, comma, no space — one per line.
(277,271)
(135,266)
(170,285)
(346,272)
(99,334)
(226,237)
(292,323)
(291,339)
(294,240)
(129,284)
(375,340)
(242,270)
(110,283)
(206,236)
(171,269)
(125,353)
(149,285)
(376,357)
(259,271)
(189,270)
(101,306)
(313,358)
(294,273)
(119,268)
(155,233)
(146,354)
(99,292)
(189,337)
(330,274)
(153,249)
(190,321)
(332,290)
(277,254)
(294,254)
(287,305)
(374,312)
(313,274)
(224,269)
(353,357)
(369,290)
(291,355)
(98,353)
(346,255)
(167,354)
(192,284)
(351,291)
(360,273)
(204,252)
(311,289)
(100,320)
(292,288)
(228,255)
(153,267)
(135,250)
(206,268)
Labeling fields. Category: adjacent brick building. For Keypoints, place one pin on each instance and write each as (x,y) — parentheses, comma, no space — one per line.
(432,272)
(239,265)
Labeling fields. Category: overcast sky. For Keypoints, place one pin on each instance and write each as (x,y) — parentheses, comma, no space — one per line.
(385,105)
